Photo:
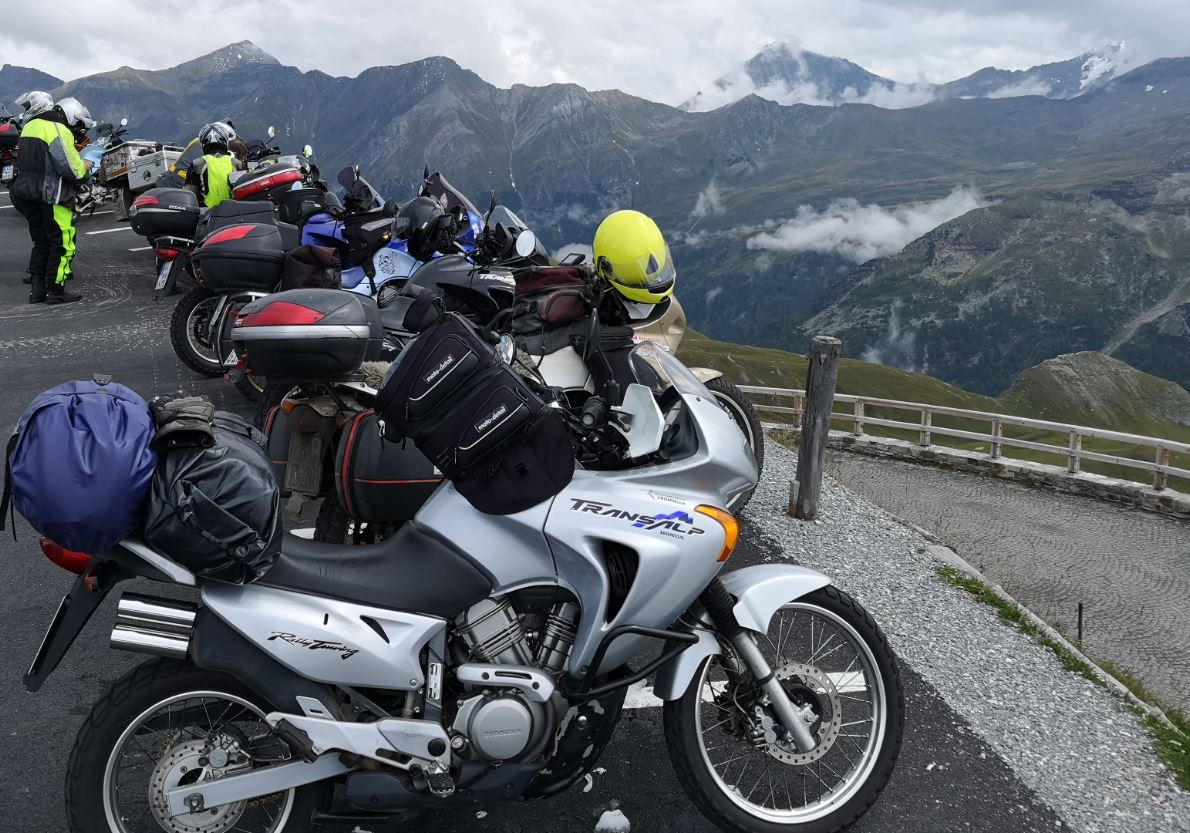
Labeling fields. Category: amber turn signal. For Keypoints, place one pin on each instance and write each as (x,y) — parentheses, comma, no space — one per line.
(731,527)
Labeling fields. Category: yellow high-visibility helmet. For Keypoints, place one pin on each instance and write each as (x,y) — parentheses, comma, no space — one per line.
(631,254)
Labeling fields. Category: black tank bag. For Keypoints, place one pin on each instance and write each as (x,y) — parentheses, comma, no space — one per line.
(474,417)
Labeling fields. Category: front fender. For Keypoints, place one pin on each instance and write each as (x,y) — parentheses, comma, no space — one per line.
(760,591)
(705,374)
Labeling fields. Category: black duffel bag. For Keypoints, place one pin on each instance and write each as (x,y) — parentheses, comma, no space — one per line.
(216,510)
(473,416)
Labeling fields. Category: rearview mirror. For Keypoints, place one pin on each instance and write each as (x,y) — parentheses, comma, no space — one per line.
(346,177)
(272,131)
(526,243)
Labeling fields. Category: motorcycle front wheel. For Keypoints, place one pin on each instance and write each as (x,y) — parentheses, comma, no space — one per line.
(191,334)
(167,724)
(830,656)
(743,413)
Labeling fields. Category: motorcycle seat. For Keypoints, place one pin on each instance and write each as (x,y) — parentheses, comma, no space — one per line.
(411,571)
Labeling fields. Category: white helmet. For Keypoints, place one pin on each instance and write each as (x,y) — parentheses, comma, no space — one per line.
(215,134)
(75,113)
(34,103)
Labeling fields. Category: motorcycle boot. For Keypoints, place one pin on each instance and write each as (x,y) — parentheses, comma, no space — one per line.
(57,294)
(37,289)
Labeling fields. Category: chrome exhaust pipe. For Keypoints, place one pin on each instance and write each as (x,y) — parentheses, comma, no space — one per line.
(149,625)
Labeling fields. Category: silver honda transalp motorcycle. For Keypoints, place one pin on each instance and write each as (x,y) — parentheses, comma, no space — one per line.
(473,658)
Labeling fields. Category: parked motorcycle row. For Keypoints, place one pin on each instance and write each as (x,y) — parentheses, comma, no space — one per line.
(520,495)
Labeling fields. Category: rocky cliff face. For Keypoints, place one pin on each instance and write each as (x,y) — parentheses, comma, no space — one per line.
(998,290)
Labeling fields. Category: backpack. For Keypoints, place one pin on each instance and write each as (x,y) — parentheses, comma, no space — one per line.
(80,463)
(474,417)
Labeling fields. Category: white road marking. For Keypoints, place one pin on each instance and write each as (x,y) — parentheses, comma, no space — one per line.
(6,206)
(141,249)
(110,230)
(305,532)
(641,696)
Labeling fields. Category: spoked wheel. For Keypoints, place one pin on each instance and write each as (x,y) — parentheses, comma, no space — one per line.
(743,413)
(194,339)
(729,751)
(167,724)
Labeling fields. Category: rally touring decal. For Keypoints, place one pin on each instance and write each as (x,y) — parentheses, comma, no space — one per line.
(315,644)
(676,524)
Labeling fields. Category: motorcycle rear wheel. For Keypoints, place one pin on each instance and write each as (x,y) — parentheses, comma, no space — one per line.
(199,351)
(746,785)
(126,725)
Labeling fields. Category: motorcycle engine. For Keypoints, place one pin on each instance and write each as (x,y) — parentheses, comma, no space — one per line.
(497,723)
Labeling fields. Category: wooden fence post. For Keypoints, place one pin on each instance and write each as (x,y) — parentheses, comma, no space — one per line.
(821,378)
(1162,459)
(858,428)
(1073,461)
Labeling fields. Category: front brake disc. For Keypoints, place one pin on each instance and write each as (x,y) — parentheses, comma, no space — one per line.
(829,712)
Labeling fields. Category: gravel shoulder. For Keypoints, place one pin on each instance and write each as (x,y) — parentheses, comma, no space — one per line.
(1078,747)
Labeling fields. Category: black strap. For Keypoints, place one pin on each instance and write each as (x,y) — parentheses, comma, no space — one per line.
(6,507)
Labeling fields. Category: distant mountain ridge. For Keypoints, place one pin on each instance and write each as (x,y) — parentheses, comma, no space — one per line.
(789,75)
(15,81)
(766,205)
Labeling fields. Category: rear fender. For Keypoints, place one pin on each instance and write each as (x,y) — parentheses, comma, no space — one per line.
(760,591)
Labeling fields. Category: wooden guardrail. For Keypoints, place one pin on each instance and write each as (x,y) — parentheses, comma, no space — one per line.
(922,423)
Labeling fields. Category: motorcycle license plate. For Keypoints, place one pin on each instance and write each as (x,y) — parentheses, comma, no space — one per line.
(162,275)
(303,472)
(6,173)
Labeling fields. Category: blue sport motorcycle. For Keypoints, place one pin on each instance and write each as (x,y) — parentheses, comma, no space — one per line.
(373,236)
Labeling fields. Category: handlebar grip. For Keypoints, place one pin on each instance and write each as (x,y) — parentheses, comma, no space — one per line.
(594,412)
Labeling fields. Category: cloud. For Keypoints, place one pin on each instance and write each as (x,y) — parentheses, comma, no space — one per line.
(862,232)
(709,202)
(898,345)
(1029,86)
(736,85)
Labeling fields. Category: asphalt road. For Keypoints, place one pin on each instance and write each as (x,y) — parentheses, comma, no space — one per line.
(948,779)
(1129,569)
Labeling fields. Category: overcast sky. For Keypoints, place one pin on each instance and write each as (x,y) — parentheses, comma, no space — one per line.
(661,49)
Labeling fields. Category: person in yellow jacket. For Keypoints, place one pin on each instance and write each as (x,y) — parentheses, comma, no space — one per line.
(48,173)
(210,174)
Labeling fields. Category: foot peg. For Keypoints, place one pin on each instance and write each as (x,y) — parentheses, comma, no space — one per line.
(439,781)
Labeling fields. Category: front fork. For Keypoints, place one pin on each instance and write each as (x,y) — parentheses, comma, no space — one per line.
(720,606)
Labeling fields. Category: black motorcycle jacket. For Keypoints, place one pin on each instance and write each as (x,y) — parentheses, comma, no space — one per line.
(49,168)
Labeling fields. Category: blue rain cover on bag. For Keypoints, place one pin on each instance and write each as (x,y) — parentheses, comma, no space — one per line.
(80,464)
